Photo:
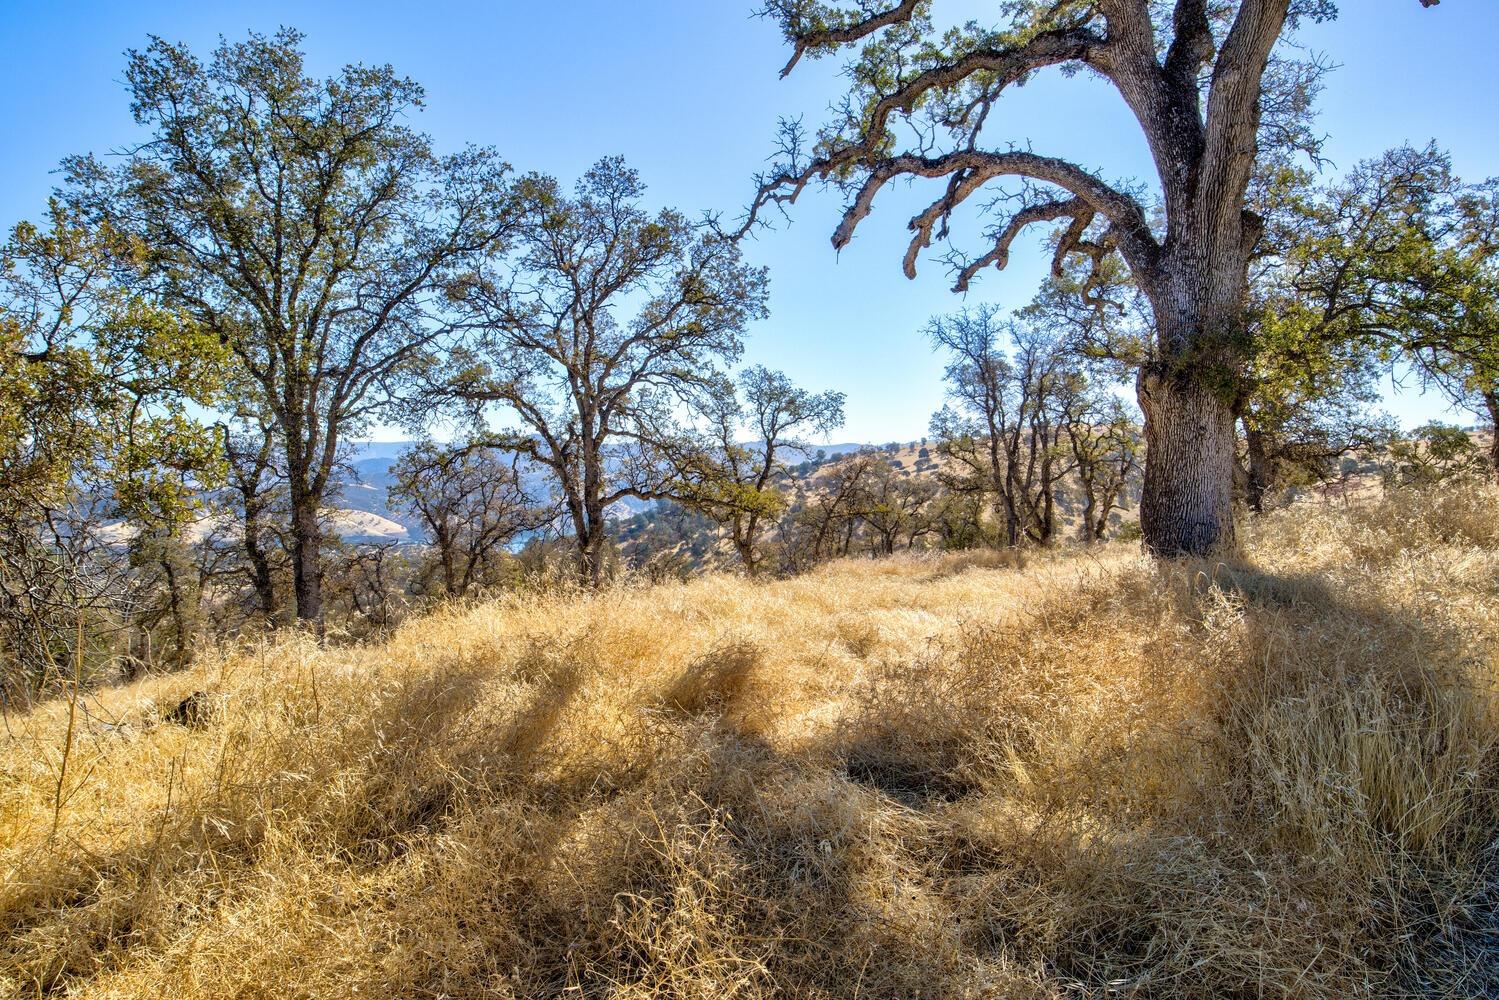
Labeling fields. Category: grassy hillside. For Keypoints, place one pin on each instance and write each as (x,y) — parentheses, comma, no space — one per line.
(1077,775)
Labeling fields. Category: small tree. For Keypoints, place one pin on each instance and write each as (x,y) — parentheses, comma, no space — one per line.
(894,508)
(740,484)
(472,503)
(1433,452)
(592,397)
(823,521)
(1001,433)
(1105,446)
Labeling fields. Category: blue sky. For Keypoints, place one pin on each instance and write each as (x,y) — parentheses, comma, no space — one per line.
(688,92)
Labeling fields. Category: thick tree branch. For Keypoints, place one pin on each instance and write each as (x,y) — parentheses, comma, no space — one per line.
(999,256)
(976,167)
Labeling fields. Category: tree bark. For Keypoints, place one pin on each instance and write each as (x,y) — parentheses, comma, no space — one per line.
(747,556)
(1186,507)
(590,532)
(306,561)
(1491,403)
(447,556)
(1261,469)
(260,562)
(181,610)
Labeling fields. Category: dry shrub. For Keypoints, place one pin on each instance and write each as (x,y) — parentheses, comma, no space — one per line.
(713,680)
(968,559)
(1091,776)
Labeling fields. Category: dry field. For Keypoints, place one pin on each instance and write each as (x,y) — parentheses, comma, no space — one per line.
(1077,775)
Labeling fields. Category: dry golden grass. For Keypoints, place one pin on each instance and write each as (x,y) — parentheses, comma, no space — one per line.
(1085,775)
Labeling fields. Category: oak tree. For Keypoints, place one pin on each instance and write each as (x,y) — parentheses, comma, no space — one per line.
(1010,386)
(594,335)
(472,502)
(1194,75)
(740,481)
(1396,263)
(97,426)
(306,224)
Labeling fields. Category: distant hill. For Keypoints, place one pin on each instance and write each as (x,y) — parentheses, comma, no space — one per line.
(365,490)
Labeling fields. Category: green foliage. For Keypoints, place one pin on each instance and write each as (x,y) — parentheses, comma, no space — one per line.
(305,226)
(1431,454)
(96,383)
(600,399)
(1392,264)
(742,484)
(99,394)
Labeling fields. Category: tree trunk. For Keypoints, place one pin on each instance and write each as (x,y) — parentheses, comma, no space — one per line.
(306,561)
(1090,508)
(1100,528)
(1491,403)
(1048,498)
(591,548)
(1261,469)
(260,562)
(443,536)
(180,606)
(591,563)
(1186,507)
(746,556)
(742,529)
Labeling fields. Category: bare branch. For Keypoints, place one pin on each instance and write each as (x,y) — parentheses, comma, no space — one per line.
(976,167)
(999,256)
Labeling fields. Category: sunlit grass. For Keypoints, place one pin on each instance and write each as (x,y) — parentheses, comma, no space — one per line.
(917,777)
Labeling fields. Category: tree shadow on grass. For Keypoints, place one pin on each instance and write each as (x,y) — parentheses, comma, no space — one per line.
(358,781)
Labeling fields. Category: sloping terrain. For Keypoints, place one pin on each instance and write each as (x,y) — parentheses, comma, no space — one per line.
(1074,774)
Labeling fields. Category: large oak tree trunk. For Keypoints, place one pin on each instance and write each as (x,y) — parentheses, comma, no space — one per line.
(1191,395)
(1186,507)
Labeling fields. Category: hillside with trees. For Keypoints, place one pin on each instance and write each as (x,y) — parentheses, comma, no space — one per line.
(417,580)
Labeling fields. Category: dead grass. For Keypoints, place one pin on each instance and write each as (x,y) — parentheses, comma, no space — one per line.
(1082,776)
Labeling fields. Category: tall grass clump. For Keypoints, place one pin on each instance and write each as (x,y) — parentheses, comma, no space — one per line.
(1083,775)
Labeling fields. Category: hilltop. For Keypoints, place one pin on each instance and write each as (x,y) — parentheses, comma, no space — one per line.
(1073,773)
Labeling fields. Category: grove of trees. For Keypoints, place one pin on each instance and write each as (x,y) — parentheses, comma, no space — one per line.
(200,329)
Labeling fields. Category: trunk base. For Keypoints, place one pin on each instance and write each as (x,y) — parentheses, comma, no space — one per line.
(1186,508)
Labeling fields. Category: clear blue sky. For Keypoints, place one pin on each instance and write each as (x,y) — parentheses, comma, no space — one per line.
(687,91)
